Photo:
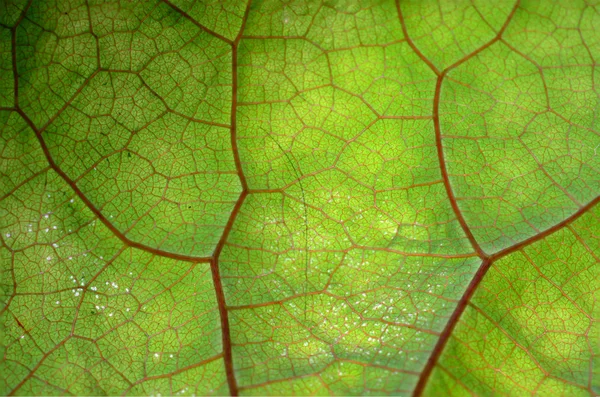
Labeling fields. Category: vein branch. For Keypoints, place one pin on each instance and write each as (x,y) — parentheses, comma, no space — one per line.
(214,264)
(474,284)
(198,24)
(96,211)
(411,42)
(444,170)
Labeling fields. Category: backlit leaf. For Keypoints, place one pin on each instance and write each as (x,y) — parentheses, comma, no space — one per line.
(203,197)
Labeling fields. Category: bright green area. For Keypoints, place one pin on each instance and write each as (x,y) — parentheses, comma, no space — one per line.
(532,327)
(346,259)
(520,143)
(317,303)
(447,31)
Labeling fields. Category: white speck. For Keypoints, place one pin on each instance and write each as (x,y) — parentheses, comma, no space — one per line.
(70,201)
(58,302)
(97,297)
(54,227)
(70,258)
(170,355)
(110,314)
(55,245)
(7,235)
(127,290)
(97,307)
(48,258)
(93,288)
(155,354)
(46,216)
(127,309)
(22,336)
(76,293)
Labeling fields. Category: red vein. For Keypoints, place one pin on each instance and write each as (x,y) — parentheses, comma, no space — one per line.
(96,211)
(444,170)
(173,373)
(489,43)
(476,281)
(441,344)
(13,52)
(411,43)
(225,331)
(438,134)
(214,264)
(37,366)
(198,24)
(547,232)
(487,260)
(24,182)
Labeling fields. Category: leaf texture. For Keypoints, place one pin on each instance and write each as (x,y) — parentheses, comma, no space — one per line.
(202,197)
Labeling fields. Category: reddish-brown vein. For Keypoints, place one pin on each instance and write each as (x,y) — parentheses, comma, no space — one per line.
(411,43)
(436,117)
(96,211)
(458,311)
(227,354)
(457,380)
(322,370)
(488,260)
(584,243)
(24,182)
(198,24)
(37,366)
(225,331)
(438,134)
(214,264)
(489,43)
(509,336)
(444,170)
(547,232)
(13,52)
(476,281)
(13,41)
(176,372)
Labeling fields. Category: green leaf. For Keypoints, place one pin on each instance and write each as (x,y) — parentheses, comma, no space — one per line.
(203,197)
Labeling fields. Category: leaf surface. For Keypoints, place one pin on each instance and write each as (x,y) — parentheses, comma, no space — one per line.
(291,198)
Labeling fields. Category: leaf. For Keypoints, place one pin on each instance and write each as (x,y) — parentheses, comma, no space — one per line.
(275,198)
